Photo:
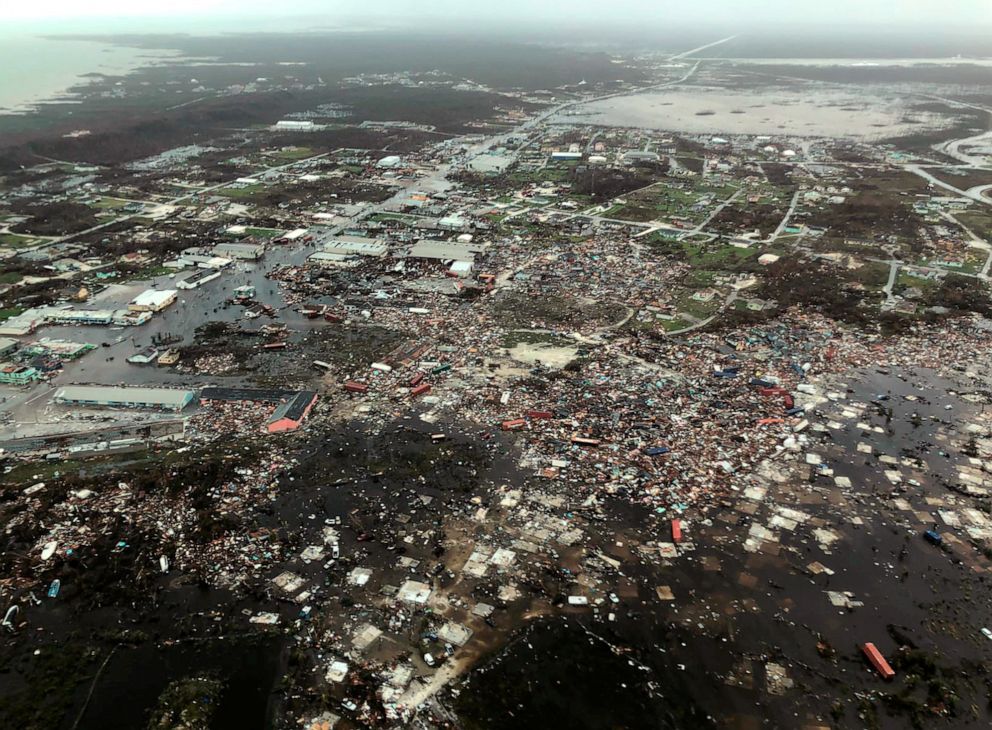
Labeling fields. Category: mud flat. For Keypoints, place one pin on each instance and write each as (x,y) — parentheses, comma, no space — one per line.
(771,111)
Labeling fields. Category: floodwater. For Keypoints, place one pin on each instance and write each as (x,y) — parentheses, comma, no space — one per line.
(248,668)
(807,112)
(752,636)
(558,673)
(36,68)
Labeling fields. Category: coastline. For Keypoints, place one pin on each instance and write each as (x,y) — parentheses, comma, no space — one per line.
(43,69)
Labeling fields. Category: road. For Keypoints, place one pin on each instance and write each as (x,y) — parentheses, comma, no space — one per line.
(716,211)
(108,366)
(702,48)
(893,273)
(731,298)
(919,170)
(788,217)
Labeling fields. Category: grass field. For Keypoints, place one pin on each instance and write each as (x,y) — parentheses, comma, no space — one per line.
(110,203)
(242,192)
(292,153)
(10,312)
(14,240)
(268,233)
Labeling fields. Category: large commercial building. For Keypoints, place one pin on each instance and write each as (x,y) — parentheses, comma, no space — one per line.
(198,279)
(7,345)
(294,125)
(164,399)
(347,250)
(354,246)
(244,251)
(153,300)
(445,250)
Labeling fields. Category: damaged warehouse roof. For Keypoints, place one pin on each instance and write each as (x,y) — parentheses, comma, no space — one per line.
(124,397)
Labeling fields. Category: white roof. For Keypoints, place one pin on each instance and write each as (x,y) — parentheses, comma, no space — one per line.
(390,161)
(445,250)
(108,394)
(154,297)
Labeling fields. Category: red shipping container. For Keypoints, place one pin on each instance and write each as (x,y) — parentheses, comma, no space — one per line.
(540,414)
(420,390)
(878,661)
(676,530)
(415,380)
(514,425)
(354,387)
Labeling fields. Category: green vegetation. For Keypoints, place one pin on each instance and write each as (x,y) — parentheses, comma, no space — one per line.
(972,262)
(716,255)
(673,325)
(15,241)
(245,191)
(289,154)
(525,337)
(149,272)
(701,310)
(110,203)
(979,221)
(187,703)
(691,200)
(9,311)
(401,217)
(10,277)
(50,677)
(268,233)
(548,174)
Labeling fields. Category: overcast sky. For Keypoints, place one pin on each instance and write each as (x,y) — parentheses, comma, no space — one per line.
(947,13)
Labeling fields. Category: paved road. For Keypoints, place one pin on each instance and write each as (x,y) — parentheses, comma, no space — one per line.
(919,170)
(893,272)
(785,221)
(731,298)
(702,48)
(716,211)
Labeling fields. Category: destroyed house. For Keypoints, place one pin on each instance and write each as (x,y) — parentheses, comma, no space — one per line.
(290,415)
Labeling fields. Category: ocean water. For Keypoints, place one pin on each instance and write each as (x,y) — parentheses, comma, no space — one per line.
(34,69)
(40,60)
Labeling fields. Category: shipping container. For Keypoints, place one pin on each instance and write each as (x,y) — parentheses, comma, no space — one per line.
(676,530)
(878,661)
(515,425)
(354,387)
(420,390)
(540,414)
